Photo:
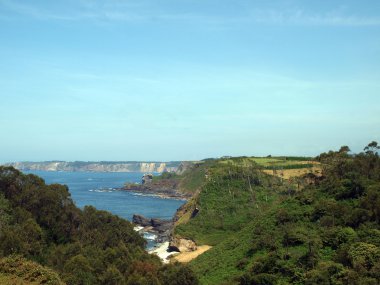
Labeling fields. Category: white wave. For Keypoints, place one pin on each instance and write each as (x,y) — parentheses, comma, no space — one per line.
(150,236)
(144,195)
(109,190)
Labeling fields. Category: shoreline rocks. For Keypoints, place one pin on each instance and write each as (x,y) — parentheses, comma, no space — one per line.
(140,220)
(162,228)
(165,187)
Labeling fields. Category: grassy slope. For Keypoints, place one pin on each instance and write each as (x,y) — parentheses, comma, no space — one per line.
(236,199)
(190,181)
(229,199)
(226,207)
(234,255)
(193,179)
(226,201)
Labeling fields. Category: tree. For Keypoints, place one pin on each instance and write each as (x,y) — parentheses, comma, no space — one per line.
(344,149)
(372,148)
(177,274)
(364,255)
(79,271)
(112,276)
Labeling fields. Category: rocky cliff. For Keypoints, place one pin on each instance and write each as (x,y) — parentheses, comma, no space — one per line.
(102,166)
(164,188)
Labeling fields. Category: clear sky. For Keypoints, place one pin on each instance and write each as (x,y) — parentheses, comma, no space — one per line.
(186,79)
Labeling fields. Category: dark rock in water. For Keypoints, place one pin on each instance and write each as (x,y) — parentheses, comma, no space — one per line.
(163,228)
(141,220)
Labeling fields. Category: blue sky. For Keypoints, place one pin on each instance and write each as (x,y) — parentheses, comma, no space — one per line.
(189,79)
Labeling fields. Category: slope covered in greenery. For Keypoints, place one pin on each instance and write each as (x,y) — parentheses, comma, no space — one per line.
(41,223)
(267,230)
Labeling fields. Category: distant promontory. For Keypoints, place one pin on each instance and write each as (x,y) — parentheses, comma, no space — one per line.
(99,166)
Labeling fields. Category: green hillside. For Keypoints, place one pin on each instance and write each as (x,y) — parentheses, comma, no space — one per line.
(266,230)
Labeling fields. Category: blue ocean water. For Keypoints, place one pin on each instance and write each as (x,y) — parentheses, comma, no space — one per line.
(99,189)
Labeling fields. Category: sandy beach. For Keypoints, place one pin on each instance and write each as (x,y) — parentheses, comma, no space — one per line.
(188,256)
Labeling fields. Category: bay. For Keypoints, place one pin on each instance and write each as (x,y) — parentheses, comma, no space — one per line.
(100,189)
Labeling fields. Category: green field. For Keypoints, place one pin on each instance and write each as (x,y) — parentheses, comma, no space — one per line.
(269,161)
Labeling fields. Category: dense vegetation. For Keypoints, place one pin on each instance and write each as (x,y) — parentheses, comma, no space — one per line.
(39,223)
(316,229)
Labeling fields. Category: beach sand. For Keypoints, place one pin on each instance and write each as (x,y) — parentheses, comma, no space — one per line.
(188,256)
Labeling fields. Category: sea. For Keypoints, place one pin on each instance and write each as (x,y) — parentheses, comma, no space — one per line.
(102,190)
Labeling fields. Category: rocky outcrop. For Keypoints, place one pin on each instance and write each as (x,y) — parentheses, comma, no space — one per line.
(161,225)
(165,188)
(162,228)
(141,220)
(102,166)
(182,245)
(187,211)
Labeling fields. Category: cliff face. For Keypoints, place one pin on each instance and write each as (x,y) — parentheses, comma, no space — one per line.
(127,166)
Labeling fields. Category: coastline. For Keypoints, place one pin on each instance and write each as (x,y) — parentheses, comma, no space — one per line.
(156,190)
(164,188)
(156,194)
(162,240)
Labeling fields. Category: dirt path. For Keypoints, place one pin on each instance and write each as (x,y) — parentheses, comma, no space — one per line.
(188,256)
